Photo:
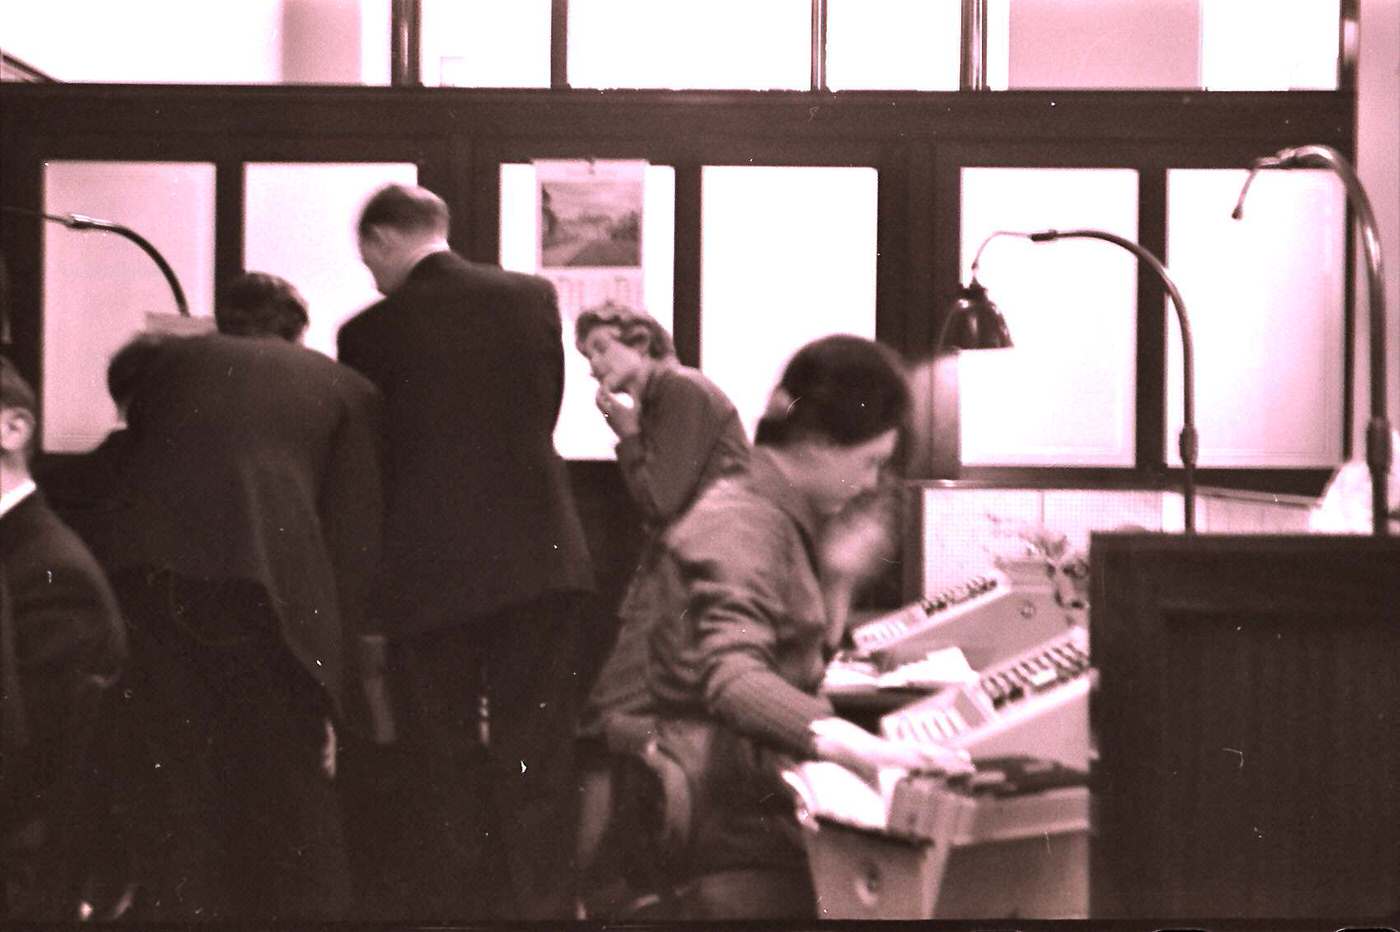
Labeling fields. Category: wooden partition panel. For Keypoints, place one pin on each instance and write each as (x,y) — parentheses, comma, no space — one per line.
(1248,726)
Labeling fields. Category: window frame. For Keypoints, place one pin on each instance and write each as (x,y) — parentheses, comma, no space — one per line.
(917,141)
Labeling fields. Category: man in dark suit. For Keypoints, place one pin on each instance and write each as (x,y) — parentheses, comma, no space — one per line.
(251,523)
(62,643)
(484,564)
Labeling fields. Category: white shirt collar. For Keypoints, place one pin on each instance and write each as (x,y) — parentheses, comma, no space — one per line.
(16,495)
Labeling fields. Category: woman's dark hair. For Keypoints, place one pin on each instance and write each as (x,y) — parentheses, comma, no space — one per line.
(633,328)
(846,390)
(256,304)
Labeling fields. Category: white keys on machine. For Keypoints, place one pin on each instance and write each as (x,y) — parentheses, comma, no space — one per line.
(1034,703)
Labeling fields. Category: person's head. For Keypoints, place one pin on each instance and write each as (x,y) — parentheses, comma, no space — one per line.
(621,344)
(396,224)
(835,417)
(256,304)
(18,425)
(127,367)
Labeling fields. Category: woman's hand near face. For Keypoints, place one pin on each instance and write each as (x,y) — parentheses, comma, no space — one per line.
(622,417)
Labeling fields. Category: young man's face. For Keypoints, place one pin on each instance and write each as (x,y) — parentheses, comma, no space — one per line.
(16,432)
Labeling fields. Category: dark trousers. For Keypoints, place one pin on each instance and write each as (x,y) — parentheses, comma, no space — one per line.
(237,818)
(487,829)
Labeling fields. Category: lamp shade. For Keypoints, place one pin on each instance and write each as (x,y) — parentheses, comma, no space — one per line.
(973,322)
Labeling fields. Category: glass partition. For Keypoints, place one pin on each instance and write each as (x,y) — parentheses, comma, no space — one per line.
(1065,393)
(787,255)
(893,45)
(299,223)
(715,44)
(100,287)
(1265,294)
(485,43)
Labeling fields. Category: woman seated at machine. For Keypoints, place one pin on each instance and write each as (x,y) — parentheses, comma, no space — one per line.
(768,561)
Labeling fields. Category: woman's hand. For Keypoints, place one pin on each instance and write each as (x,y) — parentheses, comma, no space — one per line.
(622,411)
(852,746)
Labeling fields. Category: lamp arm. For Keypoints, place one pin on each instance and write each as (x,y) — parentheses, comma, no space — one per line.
(1378,452)
(977,257)
(1187,440)
(81,222)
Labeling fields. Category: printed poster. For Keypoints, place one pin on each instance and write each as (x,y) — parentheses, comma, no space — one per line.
(589,245)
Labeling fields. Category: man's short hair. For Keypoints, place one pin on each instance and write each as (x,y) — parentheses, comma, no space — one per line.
(408,208)
(257,304)
(15,393)
(128,365)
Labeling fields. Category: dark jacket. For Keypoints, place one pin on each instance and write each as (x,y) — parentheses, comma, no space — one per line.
(479,511)
(63,634)
(250,458)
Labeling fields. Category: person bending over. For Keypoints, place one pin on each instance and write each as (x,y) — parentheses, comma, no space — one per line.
(766,560)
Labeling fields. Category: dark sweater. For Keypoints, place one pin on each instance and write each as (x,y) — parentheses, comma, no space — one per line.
(747,645)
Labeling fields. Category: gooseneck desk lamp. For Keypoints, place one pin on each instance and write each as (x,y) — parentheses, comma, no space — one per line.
(1378,452)
(973,322)
(80,222)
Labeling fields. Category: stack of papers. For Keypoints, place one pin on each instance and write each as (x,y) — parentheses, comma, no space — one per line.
(937,669)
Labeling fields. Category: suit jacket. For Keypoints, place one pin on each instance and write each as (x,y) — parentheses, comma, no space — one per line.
(64,628)
(254,459)
(479,511)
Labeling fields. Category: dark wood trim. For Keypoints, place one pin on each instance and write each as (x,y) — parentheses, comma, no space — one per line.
(1241,681)
(459,137)
(1265,119)
(485,206)
(229,220)
(1150,443)
(892,306)
(21,242)
(685,287)
(1305,482)
(559,45)
(922,220)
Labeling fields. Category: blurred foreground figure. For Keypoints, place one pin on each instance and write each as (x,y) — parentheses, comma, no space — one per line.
(249,524)
(62,646)
(769,562)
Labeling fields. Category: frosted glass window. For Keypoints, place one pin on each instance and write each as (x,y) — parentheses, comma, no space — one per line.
(1094,44)
(153,41)
(893,44)
(581,432)
(1064,394)
(717,44)
(485,43)
(787,255)
(1265,295)
(299,223)
(99,287)
(1264,45)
